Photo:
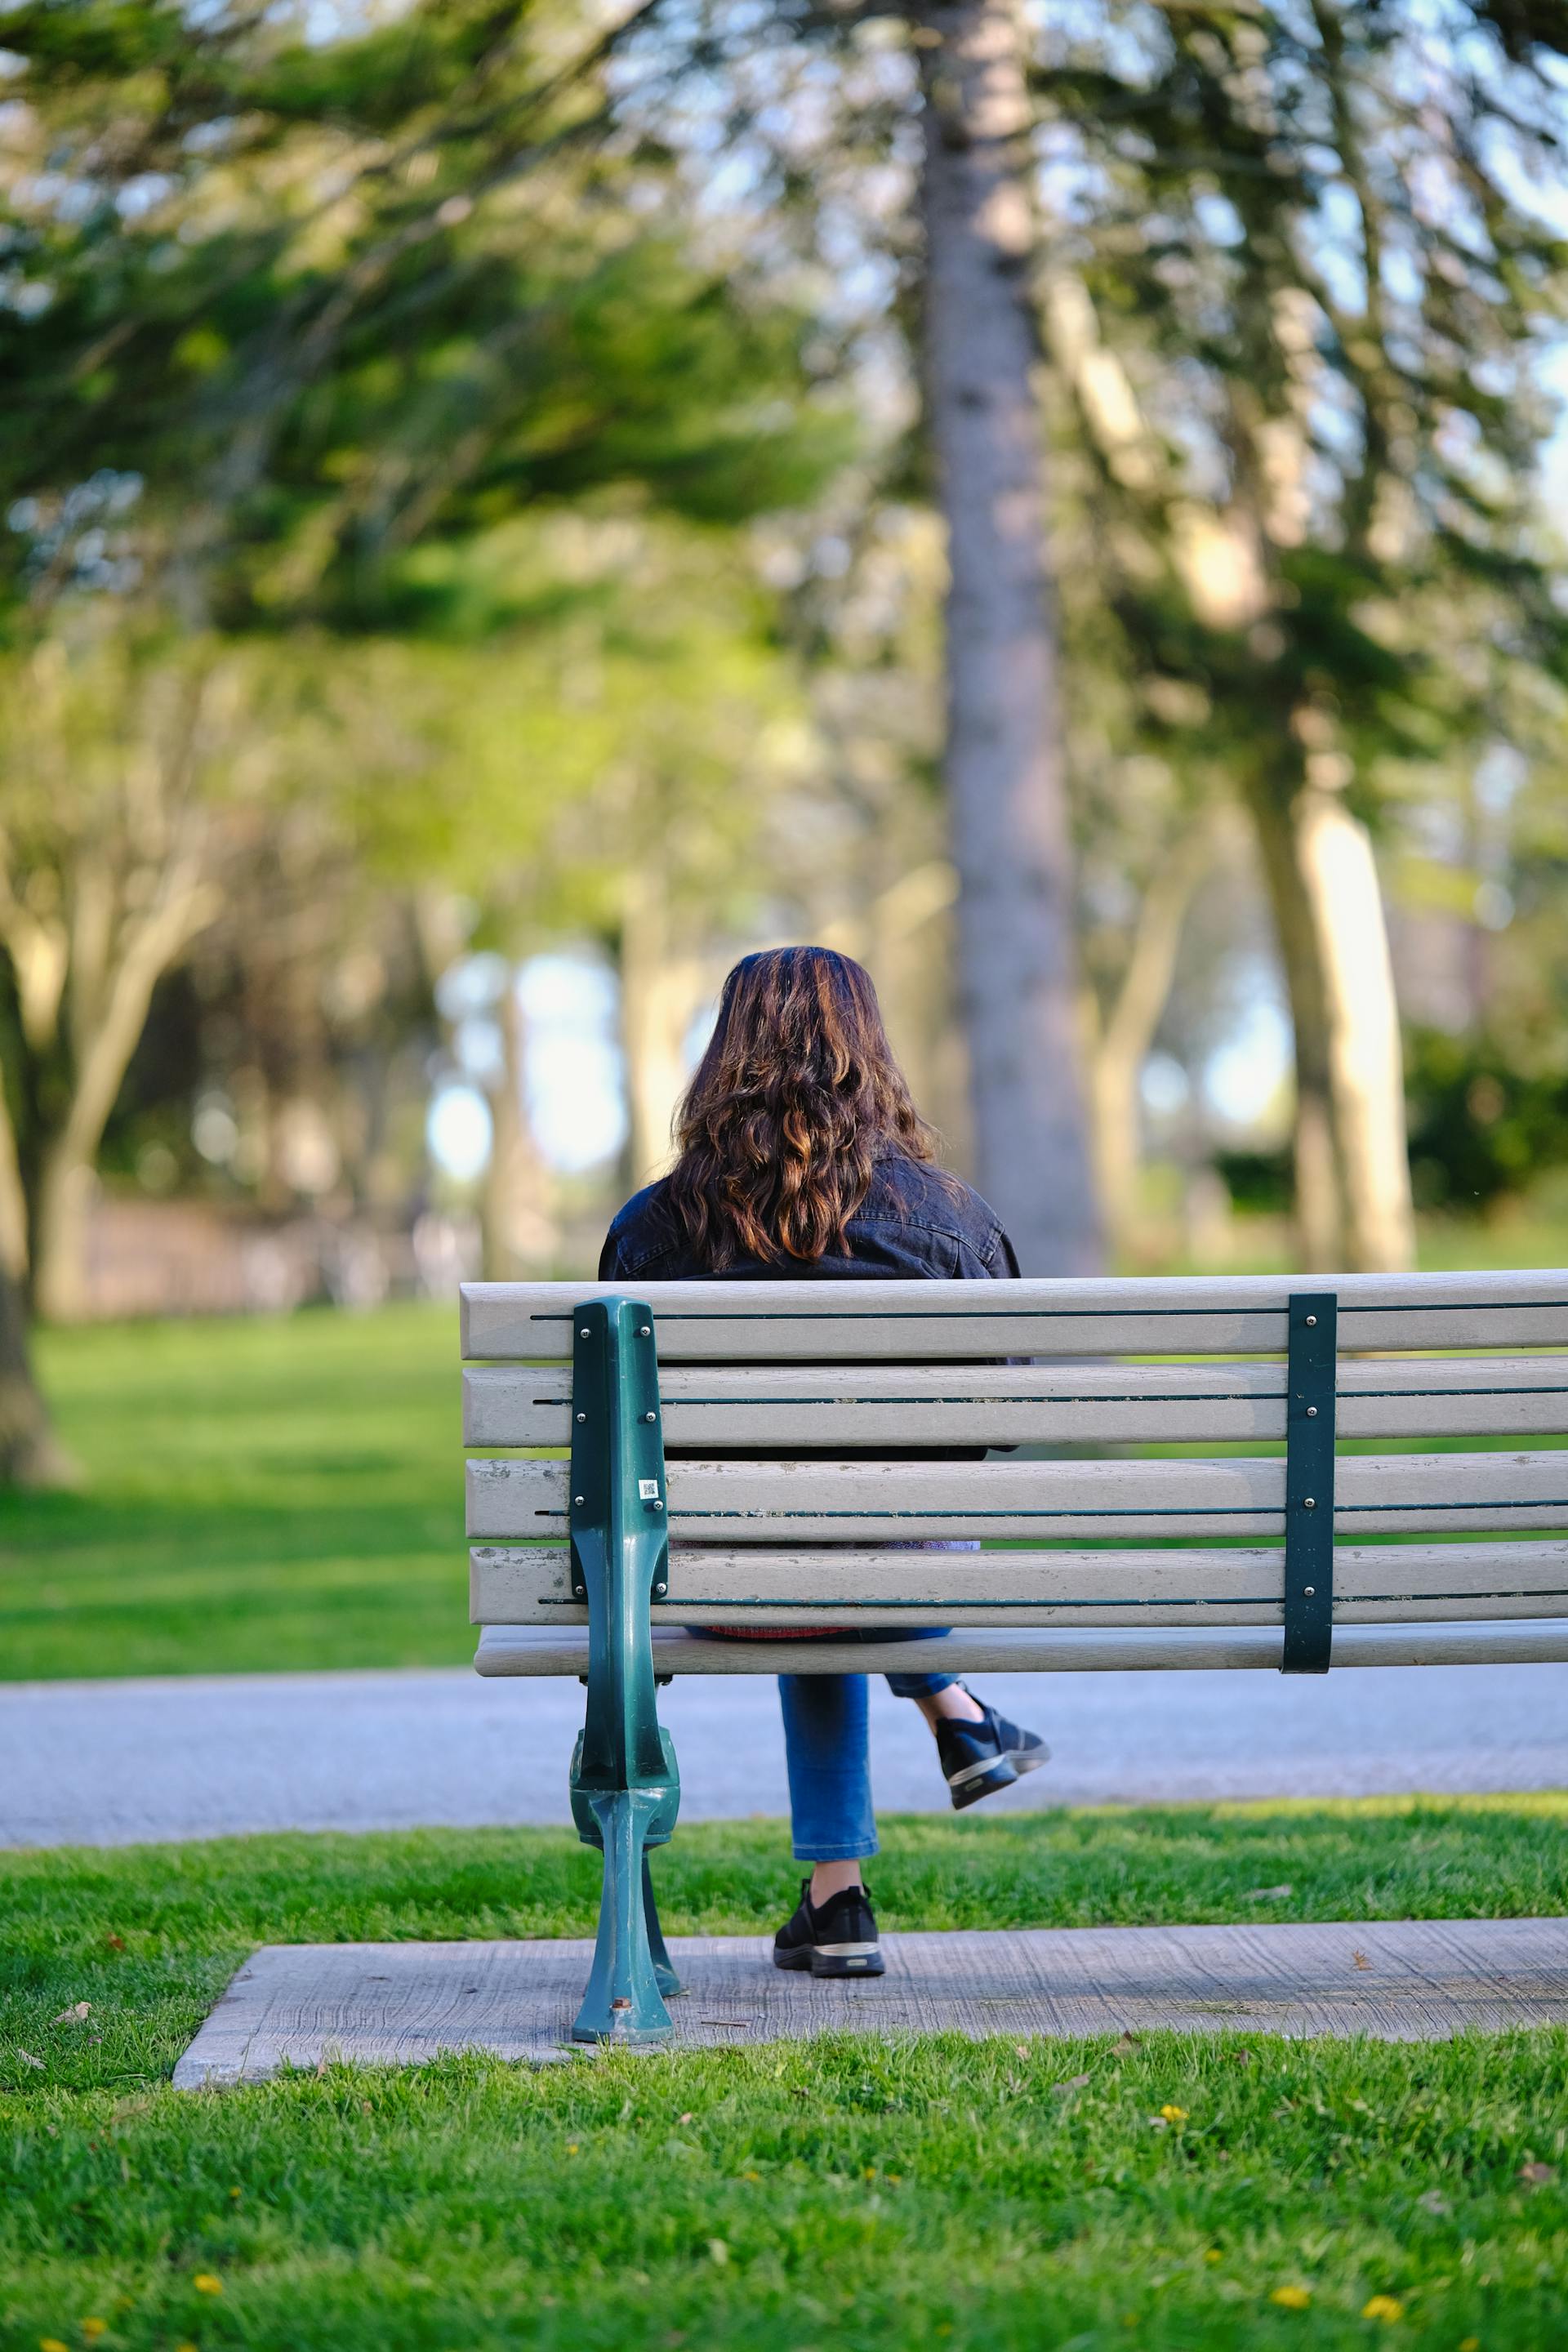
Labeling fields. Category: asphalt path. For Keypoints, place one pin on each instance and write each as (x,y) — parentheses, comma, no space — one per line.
(111,1763)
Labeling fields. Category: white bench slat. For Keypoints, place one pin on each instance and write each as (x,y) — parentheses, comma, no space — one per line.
(836,1502)
(934,1321)
(532,1584)
(541,1650)
(868,1406)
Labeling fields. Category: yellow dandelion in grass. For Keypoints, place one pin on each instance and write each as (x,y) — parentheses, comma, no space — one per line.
(206,2284)
(1383,2306)
(1292,2298)
(1214,2255)
(1175,2115)
(1469,2344)
(93,2328)
(52,2344)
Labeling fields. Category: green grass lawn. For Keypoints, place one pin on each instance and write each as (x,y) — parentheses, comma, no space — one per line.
(845,2194)
(268,1495)
(260,1494)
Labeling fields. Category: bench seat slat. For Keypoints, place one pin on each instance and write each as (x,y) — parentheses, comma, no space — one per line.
(938,1321)
(837,1502)
(870,1406)
(542,1650)
(530,1584)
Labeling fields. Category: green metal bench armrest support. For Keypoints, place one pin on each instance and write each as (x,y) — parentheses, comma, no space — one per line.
(625,1788)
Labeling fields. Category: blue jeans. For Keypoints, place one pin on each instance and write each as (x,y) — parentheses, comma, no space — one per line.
(827,1749)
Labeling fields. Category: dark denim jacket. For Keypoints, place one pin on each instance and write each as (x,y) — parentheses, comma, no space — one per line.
(913,1223)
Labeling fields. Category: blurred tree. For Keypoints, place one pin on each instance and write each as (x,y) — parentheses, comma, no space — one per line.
(856,847)
(1005,754)
(672,723)
(1301,334)
(158,787)
(297,323)
(1124,1020)
(107,873)
(1481,1126)
(1482,884)
(30,1453)
(886,157)
(324,301)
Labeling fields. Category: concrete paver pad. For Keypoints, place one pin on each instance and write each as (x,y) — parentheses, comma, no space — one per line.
(1400,1980)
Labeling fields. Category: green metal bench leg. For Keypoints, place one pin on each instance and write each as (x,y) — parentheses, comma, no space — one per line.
(670,1984)
(623,2001)
(625,1790)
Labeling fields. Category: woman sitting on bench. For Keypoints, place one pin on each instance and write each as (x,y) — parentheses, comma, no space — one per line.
(802,1155)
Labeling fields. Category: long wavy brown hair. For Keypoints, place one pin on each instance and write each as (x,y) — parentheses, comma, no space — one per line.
(796,1099)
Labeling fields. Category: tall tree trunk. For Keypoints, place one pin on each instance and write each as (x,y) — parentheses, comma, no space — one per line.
(61,1215)
(103,1039)
(30,1454)
(1366,1068)
(662,992)
(1005,766)
(13,1199)
(891,930)
(518,1231)
(1317,1186)
(1353,1177)
(1126,1034)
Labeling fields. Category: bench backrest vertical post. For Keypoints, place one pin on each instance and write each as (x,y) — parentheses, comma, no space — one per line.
(1312,1366)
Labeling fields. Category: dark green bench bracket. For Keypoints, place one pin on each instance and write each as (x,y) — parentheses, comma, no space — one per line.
(1309,1482)
(625,1790)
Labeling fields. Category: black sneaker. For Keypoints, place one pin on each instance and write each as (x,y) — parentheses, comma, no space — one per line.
(839,1941)
(978,1759)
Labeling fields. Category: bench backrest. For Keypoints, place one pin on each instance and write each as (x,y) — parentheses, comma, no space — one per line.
(817,1372)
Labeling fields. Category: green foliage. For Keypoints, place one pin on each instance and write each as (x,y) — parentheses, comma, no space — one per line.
(1326,325)
(858,2191)
(377,365)
(326,299)
(1481,1127)
(1257,1181)
(376,339)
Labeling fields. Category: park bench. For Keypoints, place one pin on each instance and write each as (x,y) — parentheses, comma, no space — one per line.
(766,1393)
